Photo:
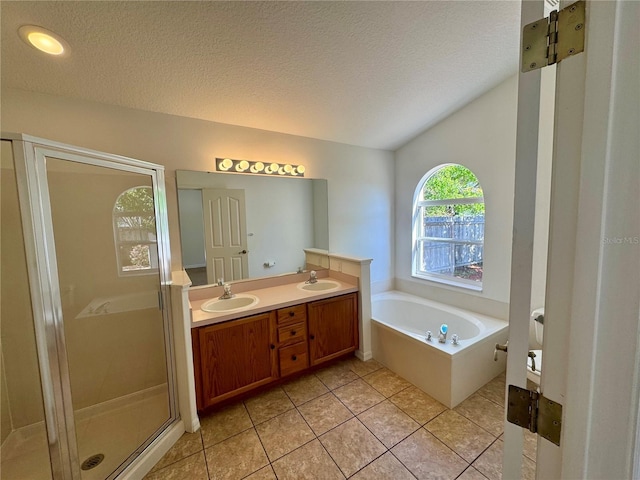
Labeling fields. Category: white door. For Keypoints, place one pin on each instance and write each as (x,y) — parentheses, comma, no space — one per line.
(592,311)
(225,234)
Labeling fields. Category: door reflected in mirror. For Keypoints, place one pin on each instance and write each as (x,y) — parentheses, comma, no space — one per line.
(234,226)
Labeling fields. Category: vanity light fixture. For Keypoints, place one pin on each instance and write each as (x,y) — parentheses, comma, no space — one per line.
(249,166)
(43,39)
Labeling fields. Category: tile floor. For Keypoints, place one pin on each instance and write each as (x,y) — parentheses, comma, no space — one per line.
(352,419)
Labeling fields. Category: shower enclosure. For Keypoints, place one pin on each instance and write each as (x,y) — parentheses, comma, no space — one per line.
(86,364)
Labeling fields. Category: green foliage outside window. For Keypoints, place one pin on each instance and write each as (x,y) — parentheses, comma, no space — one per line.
(452,182)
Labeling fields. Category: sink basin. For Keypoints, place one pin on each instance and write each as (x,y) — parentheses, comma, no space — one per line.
(238,302)
(319,286)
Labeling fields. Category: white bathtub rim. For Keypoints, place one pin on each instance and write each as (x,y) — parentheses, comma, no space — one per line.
(487,325)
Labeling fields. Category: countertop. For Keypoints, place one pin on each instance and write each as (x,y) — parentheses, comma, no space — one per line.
(271,298)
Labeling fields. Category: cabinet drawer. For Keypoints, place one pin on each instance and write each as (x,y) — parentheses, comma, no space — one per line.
(294,314)
(293,358)
(294,333)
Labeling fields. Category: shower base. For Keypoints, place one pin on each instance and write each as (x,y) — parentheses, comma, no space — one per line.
(115,429)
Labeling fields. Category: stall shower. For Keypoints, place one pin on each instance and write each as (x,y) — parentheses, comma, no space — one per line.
(86,361)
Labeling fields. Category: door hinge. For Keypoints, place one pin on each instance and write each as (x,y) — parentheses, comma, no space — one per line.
(533,411)
(551,40)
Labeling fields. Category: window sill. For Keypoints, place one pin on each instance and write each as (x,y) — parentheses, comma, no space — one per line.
(452,282)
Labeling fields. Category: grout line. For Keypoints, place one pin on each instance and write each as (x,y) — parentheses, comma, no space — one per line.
(407,468)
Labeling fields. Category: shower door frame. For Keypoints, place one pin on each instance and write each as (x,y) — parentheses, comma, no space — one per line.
(30,155)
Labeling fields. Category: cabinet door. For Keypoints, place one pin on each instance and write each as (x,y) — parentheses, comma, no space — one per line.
(237,356)
(333,327)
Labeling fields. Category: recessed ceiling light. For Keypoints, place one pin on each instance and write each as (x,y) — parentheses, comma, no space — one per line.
(43,40)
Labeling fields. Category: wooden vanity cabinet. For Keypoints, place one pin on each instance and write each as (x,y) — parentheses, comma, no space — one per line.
(234,357)
(333,327)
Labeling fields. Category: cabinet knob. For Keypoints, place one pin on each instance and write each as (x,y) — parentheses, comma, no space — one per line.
(291,313)
(312,337)
(273,346)
(294,358)
(293,332)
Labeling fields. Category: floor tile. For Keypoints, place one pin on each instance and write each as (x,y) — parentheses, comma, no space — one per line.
(193,467)
(495,390)
(224,423)
(484,413)
(417,404)
(490,463)
(471,474)
(283,434)
(187,445)
(304,389)
(352,446)
(386,382)
(310,461)
(358,396)
(361,368)
(267,405)
(388,423)
(324,413)
(386,467)
(336,375)
(265,473)
(460,434)
(236,457)
(428,458)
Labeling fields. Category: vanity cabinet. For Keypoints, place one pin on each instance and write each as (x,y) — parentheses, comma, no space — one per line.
(234,357)
(333,327)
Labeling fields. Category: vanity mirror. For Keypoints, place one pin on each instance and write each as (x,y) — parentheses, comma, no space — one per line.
(235,226)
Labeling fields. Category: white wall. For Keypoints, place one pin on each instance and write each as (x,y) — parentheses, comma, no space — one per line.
(480,136)
(361,180)
(191,228)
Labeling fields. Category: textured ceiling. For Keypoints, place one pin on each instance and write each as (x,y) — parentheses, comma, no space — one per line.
(373,74)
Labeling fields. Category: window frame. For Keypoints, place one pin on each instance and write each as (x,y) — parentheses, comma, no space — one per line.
(417,239)
(152,270)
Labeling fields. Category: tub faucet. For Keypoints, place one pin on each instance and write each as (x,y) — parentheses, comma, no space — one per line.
(455,340)
(442,336)
(313,277)
(429,335)
(227,292)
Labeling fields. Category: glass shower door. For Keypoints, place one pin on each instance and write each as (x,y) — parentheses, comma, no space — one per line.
(113,335)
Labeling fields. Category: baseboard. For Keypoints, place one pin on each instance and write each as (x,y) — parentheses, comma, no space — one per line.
(364,356)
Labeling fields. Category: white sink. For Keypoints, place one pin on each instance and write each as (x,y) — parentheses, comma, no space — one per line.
(319,286)
(238,302)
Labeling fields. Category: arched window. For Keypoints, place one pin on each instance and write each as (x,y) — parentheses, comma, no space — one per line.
(134,227)
(448,227)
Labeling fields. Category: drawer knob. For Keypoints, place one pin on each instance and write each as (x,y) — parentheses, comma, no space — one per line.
(312,337)
(273,346)
(291,313)
(293,332)
(294,358)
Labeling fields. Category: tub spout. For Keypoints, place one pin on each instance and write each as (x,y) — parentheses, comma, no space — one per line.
(429,335)
(442,336)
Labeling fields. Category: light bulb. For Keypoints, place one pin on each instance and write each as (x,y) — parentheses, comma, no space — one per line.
(43,40)
(242,166)
(300,169)
(226,164)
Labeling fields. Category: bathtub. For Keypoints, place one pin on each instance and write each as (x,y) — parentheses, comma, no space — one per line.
(447,372)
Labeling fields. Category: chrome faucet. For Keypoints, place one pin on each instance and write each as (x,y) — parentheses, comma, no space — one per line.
(455,340)
(428,335)
(102,308)
(313,277)
(532,356)
(220,282)
(442,336)
(227,292)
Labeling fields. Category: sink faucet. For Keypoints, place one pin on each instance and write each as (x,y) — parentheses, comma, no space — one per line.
(313,277)
(227,292)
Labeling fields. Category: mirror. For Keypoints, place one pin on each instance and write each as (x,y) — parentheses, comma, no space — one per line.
(257,226)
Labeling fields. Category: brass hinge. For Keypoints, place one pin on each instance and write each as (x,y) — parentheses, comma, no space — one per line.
(551,40)
(533,411)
